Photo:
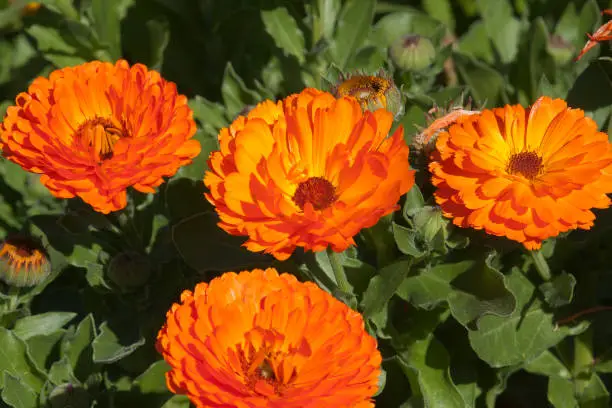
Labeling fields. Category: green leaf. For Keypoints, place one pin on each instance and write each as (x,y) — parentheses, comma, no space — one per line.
(485,83)
(352,29)
(427,359)
(501,26)
(504,341)
(41,324)
(153,380)
(383,286)
(204,246)
(210,115)
(561,393)
(480,291)
(17,394)
(56,46)
(110,347)
(549,365)
(432,285)
(236,95)
(560,291)
(442,11)
(474,43)
(61,372)
(64,7)
(324,22)
(598,75)
(284,30)
(39,348)
(107,16)
(159,33)
(567,26)
(603,366)
(503,374)
(595,395)
(408,241)
(177,401)
(14,360)
(78,349)
(414,201)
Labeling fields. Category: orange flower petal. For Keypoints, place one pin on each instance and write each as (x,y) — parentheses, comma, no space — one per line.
(310,171)
(527,174)
(96,129)
(263,339)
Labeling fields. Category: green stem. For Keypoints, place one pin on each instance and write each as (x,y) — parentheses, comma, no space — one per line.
(13,292)
(541,264)
(338,269)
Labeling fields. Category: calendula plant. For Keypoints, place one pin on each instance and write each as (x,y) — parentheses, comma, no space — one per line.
(343,203)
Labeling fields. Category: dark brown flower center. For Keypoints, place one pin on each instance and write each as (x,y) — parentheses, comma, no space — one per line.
(316,191)
(527,164)
(99,137)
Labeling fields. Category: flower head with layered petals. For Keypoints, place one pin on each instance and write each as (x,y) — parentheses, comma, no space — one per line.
(526,174)
(260,339)
(95,129)
(310,171)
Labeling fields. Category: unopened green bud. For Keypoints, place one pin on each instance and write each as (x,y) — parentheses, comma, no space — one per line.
(430,222)
(129,270)
(413,53)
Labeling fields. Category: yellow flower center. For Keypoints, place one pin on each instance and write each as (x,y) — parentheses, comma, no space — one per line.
(317,191)
(365,89)
(526,164)
(99,137)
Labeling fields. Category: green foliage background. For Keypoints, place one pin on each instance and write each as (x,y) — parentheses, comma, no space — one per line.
(462,319)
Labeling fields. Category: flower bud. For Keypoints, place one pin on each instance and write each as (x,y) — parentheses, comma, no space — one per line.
(372,91)
(429,221)
(413,53)
(23,261)
(561,50)
(30,8)
(129,270)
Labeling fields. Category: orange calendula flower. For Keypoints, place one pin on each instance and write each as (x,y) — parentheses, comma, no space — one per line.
(526,174)
(603,33)
(23,261)
(95,129)
(260,339)
(309,171)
